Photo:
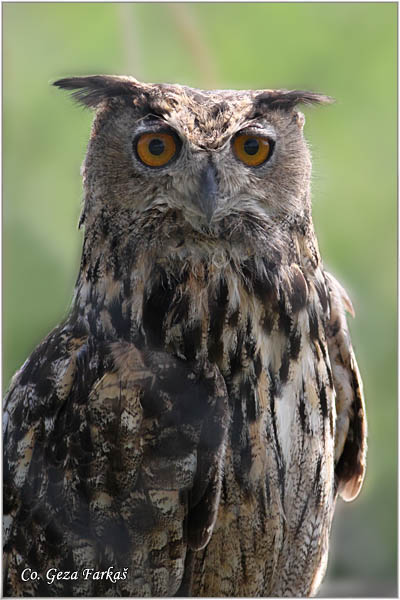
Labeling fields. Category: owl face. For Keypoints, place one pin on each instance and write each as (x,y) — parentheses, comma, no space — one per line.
(209,155)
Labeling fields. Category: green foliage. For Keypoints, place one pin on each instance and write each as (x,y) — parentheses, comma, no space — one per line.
(347,50)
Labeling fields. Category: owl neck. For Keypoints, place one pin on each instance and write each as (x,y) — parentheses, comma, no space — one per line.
(162,284)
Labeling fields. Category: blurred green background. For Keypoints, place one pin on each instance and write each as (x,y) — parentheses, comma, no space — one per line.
(347,50)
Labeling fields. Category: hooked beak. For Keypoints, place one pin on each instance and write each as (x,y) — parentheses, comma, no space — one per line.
(208,191)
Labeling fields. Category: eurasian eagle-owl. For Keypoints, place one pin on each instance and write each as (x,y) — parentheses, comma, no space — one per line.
(192,421)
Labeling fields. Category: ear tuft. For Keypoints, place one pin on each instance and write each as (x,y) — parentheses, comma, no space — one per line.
(287,100)
(92,90)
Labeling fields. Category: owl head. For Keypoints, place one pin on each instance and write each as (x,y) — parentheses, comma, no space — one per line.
(211,156)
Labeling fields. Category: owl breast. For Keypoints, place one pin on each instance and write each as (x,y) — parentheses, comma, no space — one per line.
(258,323)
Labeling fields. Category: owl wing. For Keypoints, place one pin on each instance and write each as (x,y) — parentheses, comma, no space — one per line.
(113,459)
(351,425)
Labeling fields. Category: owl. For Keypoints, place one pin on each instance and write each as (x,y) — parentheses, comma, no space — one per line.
(187,429)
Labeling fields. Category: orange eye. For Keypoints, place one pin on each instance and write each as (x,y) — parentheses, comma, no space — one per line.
(156,149)
(253,150)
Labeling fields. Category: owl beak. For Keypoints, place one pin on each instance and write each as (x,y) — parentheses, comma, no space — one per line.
(208,191)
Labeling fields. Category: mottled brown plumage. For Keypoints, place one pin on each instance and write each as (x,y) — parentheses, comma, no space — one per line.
(192,421)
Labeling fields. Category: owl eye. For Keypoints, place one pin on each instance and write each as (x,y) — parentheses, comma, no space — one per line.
(157,149)
(252,150)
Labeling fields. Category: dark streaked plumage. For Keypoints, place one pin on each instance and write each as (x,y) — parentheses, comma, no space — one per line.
(192,421)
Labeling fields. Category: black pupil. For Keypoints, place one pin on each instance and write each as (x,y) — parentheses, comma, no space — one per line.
(251,146)
(156,147)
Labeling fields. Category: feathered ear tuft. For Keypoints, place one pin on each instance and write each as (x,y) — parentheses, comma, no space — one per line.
(287,100)
(92,90)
